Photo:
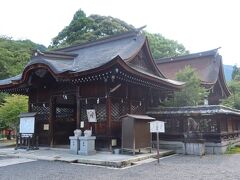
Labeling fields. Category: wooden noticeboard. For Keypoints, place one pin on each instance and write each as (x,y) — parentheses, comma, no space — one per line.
(27,125)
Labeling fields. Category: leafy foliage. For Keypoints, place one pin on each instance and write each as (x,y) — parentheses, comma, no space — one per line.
(163,47)
(14,55)
(83,29)
(236,73)
(233,101)
(10,110)
(192,94)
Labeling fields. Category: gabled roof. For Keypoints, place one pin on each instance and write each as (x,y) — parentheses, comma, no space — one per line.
(89,56)
(207,65)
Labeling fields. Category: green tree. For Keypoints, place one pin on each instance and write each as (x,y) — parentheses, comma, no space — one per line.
(233,100)
(235,72)
(192,94)
(83,29)
(163,47)
(10,110)
(14,55)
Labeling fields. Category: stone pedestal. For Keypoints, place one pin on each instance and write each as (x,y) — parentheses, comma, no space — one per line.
(87,145)
(74,144)
(194,147)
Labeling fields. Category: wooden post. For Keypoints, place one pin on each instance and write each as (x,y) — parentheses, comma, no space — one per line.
(78,108)
(109,121)
(52,117)
(109,117)
(158,146)
(129,100)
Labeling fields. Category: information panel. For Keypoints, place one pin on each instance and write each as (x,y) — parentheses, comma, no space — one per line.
(27,125)
(157,126)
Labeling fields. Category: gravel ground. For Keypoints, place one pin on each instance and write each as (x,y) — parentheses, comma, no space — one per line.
(222,167)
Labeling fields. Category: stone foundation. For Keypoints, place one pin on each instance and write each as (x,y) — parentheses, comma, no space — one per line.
(197,148)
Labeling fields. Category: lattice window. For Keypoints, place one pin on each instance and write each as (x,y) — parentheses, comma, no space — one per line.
(206,125)
(42,110)
(137,107)
(118,109)
(64,114)
(98,105)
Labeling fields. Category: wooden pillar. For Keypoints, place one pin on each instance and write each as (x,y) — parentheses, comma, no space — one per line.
(78,107)
(52,117)
(129,100)
(109,117)
(109,121)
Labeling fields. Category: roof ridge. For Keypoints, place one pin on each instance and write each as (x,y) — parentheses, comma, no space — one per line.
(53,54)
(99,41)
(187,56)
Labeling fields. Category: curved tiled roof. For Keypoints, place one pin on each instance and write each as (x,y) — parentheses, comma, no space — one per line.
(191,110)
(92,55)
(206,65)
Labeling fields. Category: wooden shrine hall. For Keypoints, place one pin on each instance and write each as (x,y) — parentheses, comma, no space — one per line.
(208,67)
(115,76)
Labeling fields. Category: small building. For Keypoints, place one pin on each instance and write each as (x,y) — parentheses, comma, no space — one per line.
(114,76)
(207,65)
(215,125)
(218,126)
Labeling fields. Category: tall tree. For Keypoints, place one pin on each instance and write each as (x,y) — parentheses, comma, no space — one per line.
(14,54)
(163,47)
(192,94)
(10,110)
(83,29)
(233,100)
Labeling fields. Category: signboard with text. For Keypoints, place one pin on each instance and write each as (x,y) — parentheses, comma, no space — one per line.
(157,127)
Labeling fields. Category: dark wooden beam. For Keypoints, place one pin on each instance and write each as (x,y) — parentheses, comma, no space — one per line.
(52,118)
(109,116)
(129,99)
(109,120)
(78,108)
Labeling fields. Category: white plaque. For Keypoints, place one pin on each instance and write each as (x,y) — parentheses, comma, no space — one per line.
(82,124)
(157,126)
(46,127)
(27,125)
(91,114)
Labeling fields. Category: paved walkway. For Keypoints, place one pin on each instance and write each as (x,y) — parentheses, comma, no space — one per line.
(101,158)
(7,143)
(178,167)
(13,161)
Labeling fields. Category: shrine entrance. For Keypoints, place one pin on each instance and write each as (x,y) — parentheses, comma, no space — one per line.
(64,122)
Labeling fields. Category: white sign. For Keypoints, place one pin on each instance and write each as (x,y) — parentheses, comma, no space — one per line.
(157,126)
(27,125)
(46,127)
(91,114)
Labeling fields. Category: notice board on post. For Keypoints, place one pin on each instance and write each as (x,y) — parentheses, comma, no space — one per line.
(27,123)
(157,127)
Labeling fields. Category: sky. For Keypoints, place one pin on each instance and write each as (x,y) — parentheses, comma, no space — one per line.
(199,25)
